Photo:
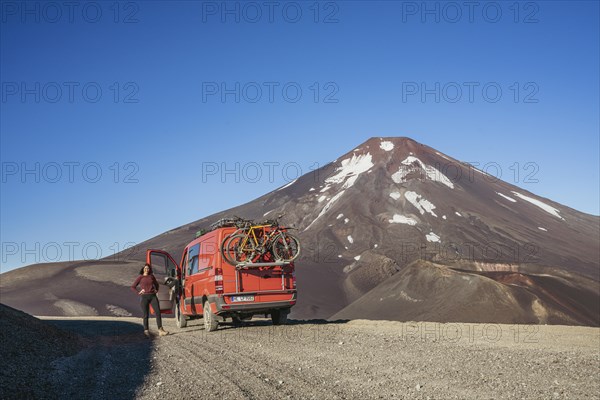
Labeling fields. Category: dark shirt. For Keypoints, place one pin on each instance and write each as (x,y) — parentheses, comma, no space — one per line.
(146,282)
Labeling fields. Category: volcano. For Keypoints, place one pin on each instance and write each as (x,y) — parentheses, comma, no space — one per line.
(390,230)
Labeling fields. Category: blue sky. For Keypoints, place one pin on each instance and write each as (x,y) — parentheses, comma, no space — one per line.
(118,109)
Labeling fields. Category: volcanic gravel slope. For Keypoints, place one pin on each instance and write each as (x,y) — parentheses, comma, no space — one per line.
(27,348)
(326,360)
(364,220)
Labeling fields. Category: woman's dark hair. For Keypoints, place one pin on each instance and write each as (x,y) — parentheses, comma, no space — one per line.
(142,270)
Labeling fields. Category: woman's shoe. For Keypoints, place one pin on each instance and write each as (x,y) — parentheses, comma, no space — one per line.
(147,333)
(162,332)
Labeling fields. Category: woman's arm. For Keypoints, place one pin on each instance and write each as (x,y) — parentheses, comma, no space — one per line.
(155,283)
(134,286)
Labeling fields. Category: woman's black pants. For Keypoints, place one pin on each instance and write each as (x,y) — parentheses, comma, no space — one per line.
(145,302)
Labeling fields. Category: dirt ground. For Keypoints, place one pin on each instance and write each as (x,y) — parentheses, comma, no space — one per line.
(329,360)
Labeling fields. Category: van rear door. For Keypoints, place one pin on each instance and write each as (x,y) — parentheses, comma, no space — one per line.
(264,282)
(271,278)
(165,270)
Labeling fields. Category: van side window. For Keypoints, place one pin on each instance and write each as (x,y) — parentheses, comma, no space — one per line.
(193,259)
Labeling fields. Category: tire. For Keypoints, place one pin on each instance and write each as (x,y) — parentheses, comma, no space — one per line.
(286,247)
(210,320)
(279,317)
(227,255)
(181,320)
(225,252)
(235,251)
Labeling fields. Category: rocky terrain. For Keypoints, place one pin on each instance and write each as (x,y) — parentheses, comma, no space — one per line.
(104,357)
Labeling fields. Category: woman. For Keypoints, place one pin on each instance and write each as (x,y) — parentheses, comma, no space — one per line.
(149,286)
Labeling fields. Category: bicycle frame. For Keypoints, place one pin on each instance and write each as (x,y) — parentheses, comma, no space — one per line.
(266,237)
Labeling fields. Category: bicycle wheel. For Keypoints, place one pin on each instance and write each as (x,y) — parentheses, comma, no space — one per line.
(225,252)
(240,248)
(286,247)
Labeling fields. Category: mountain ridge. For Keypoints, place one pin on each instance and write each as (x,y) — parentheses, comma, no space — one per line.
(366,216)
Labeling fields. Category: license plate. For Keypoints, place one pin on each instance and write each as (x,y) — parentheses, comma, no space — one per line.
(242,298)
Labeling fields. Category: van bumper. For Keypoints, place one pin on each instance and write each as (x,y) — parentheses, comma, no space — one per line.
(257,307)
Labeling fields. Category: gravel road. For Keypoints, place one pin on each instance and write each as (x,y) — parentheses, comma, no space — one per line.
(327,360)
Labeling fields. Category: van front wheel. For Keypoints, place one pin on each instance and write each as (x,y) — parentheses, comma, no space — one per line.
(181,321)
(210,319)
(279,317)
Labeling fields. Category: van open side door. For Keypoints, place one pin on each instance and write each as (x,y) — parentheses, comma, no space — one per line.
(166,271)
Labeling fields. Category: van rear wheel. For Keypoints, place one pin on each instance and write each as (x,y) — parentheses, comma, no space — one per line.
(279,317)
(210,319)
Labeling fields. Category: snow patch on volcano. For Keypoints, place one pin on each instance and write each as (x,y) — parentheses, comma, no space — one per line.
(542,205)
(478,170)
(400,176)
(326,208)
(386,145)
(350,239)
(289,184)
(339,216)
(351,169)
(401,219)
(432,237)
(431,172)
(347,174)
(420,203)
(506,197)
(395,195)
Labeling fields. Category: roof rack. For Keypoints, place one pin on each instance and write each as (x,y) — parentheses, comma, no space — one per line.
(223,222)
(230,221)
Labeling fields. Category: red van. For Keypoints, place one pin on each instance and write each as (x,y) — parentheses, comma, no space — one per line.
(204,285)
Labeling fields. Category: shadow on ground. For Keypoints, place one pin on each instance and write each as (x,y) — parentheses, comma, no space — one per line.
(114,362)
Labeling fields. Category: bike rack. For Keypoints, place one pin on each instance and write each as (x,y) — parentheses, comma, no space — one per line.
(244,265)
(249,265)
